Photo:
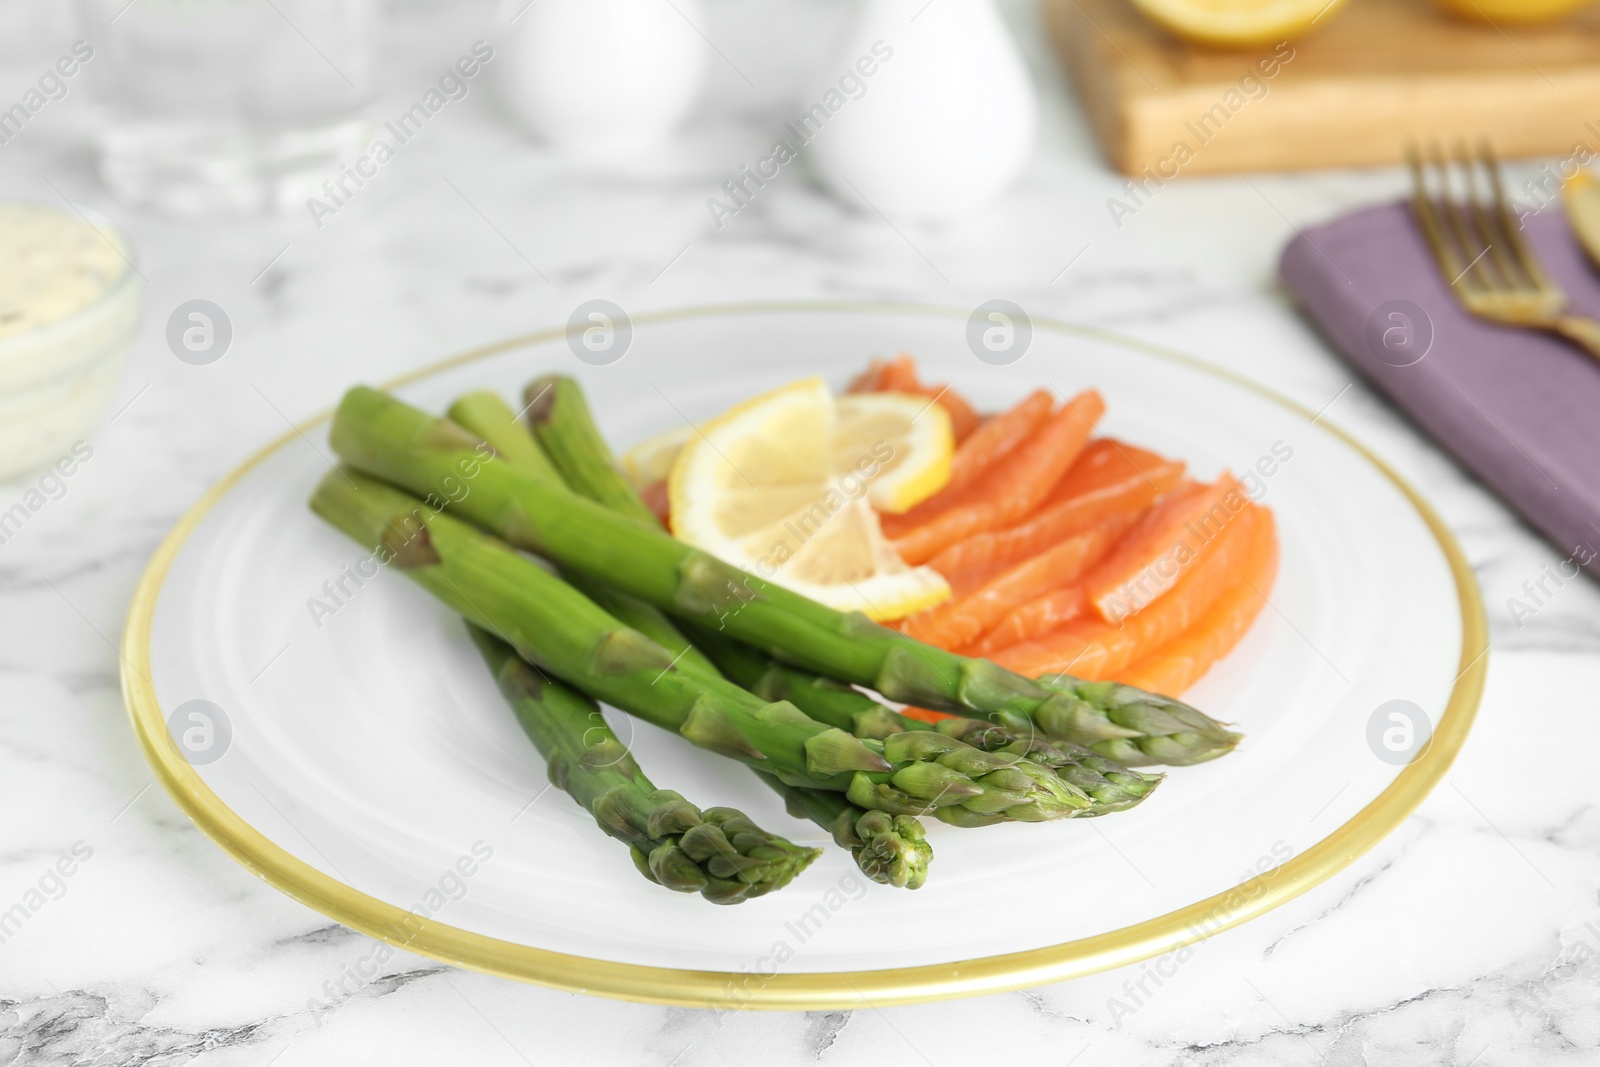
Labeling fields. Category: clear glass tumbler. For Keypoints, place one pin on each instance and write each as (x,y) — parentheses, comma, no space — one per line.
(228,105)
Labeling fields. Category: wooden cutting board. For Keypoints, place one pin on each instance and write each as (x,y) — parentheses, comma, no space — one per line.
(1351,93)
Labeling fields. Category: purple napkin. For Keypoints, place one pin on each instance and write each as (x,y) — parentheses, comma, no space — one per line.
(1519,409)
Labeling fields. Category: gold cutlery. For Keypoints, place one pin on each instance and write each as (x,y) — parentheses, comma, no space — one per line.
(1478,245)
(1580,195)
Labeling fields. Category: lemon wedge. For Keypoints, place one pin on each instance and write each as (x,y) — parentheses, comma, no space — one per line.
(774,486)
(1238,23)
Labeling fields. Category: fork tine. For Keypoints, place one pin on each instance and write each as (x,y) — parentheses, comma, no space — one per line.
(1455,215)
(1499,252)
(1422,206)
(1513,232)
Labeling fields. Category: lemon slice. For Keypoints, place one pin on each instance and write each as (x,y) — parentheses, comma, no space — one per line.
(907,436)
(650,460)
(1238,23)
(904,438)
(770,486)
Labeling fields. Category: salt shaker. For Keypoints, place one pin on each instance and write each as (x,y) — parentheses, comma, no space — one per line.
(944,122)
(600,76)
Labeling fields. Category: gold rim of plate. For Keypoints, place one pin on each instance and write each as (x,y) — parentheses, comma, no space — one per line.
(807,991)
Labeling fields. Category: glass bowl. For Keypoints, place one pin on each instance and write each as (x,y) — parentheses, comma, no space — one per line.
(58,378)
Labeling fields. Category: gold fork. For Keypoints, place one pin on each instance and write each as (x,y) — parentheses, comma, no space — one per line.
(1479,247)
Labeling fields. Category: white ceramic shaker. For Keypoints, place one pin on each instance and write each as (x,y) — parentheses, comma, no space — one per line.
(600,76)
(944,124)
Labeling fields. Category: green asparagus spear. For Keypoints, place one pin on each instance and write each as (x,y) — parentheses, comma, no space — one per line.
(386,437)
(555,627)
(1111,786)
(891,850)
(718,852)
(491,418)
(561,420)
(827,701)
(486,414)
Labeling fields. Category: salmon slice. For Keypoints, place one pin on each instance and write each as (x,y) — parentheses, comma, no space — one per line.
(988,445)
(1036,617)
(1178,666)
(1157,553)
(1094,649)
(956,622)
(899,375)
(1014,486)
(1109,478)
(887,376)
(658,500)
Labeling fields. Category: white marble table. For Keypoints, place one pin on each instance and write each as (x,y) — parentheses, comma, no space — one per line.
(1469,936)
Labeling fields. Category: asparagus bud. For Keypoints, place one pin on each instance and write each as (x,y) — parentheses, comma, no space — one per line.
(718,852)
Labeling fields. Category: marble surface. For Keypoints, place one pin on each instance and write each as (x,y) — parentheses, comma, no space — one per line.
(1470,936)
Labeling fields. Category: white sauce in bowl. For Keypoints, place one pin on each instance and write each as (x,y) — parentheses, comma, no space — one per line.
(51,265)
(69,309)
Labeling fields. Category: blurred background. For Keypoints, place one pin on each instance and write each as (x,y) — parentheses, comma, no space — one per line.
(215,215)
(329,176)
(301,193)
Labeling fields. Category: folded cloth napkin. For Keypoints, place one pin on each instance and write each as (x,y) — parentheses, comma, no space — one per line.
(1519,409)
